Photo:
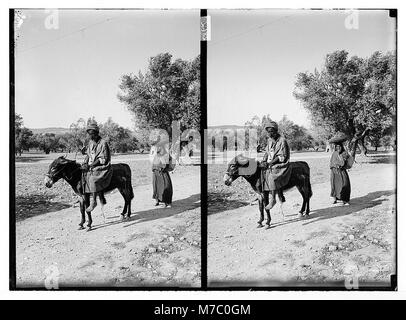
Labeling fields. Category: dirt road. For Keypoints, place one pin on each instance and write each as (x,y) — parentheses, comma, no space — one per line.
(157,246)
(335,244)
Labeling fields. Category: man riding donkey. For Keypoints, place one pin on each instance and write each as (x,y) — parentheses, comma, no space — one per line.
(96,168)
(276,167)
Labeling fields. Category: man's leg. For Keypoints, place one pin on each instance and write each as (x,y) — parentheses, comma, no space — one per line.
(102,198)
(93,202)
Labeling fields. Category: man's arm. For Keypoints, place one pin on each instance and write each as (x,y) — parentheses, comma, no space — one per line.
(104,156)
(263,163)
(85,163)
(283,154)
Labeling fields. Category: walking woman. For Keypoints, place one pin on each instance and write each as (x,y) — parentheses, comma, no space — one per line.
(161,181)
(340,181)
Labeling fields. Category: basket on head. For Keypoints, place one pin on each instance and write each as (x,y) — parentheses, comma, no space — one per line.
(339,138)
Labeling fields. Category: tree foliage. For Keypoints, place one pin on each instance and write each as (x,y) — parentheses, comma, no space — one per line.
(119,138)
(47,142)
(168,91)
(259,124)
(356,96)
(298,137)
(22,135)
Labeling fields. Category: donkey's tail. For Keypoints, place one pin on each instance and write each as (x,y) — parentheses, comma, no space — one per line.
(131,190)
(309,185)
(129,184)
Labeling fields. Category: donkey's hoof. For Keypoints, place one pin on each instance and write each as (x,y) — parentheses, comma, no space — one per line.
(81,227)
(89,228)
(267,227)
(260,225)
(122,217)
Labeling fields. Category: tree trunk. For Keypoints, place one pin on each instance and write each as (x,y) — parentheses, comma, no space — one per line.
(358,138)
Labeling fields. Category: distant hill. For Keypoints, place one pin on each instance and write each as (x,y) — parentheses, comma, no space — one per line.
(55,130)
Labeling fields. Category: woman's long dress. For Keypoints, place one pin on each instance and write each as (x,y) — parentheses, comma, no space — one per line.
(162,186)
(340,181)
(161,180)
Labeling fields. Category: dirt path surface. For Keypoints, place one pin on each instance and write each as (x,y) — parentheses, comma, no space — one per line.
(157,246)
(334,245)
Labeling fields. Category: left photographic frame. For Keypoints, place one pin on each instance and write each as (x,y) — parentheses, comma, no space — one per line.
(105,149)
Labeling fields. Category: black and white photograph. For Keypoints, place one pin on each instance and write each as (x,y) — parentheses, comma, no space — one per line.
(107,148)
(185,152)
(302,148)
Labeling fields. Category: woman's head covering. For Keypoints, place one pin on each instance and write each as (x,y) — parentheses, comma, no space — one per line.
(271,124)
(92,126)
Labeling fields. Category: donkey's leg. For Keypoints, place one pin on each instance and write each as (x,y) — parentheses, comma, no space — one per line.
(89,214)
(89,221)
(281,201)
(308,194)
(82,202)
(123,193)
(302,192)
(261,209)
(271,199)
(129,208)
(130,195)
(102,198)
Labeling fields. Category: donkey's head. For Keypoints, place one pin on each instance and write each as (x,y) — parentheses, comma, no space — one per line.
(239,166)
(56,171)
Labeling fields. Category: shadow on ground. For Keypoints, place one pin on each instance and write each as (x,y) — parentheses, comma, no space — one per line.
(35,205)
(370,200)
(380,159)
(178,206)
(220,201)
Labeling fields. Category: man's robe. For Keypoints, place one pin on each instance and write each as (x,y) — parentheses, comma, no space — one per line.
(99,177)
(277,176)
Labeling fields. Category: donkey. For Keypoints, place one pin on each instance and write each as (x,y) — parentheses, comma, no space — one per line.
(250,169)
(71,171)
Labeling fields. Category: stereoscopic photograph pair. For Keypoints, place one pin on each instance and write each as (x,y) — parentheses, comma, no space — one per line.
(203,149)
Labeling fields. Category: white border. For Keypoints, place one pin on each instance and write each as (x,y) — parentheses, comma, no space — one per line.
(183,295)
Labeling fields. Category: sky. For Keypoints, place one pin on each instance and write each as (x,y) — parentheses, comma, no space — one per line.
(74,71)
(254,57)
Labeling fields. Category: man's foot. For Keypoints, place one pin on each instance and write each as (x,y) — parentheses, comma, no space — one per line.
(156,203)
(346,203)
(335,202)
(168,205)
(91,207)
(269,206)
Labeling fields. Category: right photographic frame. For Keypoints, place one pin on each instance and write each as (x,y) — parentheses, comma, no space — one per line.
(301,149)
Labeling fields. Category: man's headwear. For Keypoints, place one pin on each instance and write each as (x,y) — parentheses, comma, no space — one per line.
(271,124)
(92,126)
